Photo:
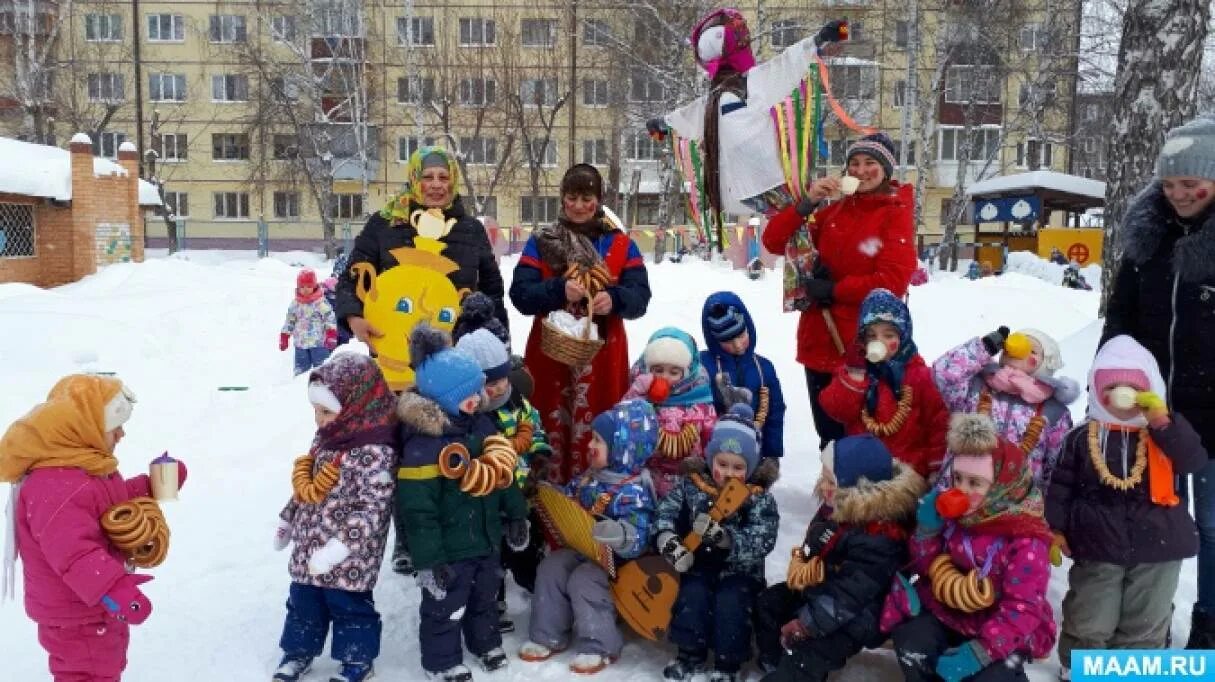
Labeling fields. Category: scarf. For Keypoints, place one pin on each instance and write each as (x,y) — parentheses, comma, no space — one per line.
(315,296)
(1016,382)
(1160,467)
(890,371)
(693,389)
(1014,507)
(68,430)
(565,242)
(368,413)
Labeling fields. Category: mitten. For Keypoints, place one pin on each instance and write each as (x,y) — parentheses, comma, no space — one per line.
(126,602)
(958,664)
(282,535)
(710,531)
(1059,549)
(182,472)
(674,552)
(615,534)
(818,536)
(832,32)
(821,291)
(793,632)
(658,129)
(994,342)
(928,520)
(283,340)
(854,356)
(1153,407)
(435,581)
(518,534)
(330,339)
(731,394)
(329,555)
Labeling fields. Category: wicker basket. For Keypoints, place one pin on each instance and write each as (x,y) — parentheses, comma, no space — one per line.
(566,349)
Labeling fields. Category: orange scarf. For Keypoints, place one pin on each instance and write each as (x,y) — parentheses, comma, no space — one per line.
(68,430)
(1160,468)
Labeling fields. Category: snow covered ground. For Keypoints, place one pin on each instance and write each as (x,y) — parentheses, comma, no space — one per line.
(177,329)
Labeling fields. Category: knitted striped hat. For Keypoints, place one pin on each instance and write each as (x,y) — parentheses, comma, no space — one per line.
(878,146)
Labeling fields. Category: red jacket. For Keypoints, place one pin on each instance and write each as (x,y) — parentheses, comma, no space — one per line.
(921,441)
(866,241)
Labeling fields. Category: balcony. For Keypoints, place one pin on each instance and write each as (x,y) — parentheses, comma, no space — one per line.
(343,160)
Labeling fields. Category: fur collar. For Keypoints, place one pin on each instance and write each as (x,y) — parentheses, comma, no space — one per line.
(892,500)
(1149,218)
(764,476)
(421,414)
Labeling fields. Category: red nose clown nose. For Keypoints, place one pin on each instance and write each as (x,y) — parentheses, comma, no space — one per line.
(660,390)
(952,503)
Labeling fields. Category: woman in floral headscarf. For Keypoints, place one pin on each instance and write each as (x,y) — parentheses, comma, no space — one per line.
(434,179)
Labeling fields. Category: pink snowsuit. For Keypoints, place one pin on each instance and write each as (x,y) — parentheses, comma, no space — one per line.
(69,565)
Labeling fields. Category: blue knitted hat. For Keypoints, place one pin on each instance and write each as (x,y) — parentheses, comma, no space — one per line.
(443,374)
(862,456)
(735,434)
(630,429)
(724,322)
(883,306)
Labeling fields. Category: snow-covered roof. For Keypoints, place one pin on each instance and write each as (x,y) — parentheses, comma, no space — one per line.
(1042,179)
(44,171)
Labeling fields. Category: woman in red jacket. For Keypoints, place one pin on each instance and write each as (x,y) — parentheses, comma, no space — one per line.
(865,241)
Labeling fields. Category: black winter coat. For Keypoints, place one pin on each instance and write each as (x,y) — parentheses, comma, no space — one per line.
(467,245)
(1164,298)
(1123,528)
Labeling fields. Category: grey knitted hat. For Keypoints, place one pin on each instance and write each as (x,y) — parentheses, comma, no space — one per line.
(488,350)
(1189,150)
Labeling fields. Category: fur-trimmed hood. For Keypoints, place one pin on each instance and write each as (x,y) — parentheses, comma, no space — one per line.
(891,500)
(765,475)
(421,414)
(1150,217)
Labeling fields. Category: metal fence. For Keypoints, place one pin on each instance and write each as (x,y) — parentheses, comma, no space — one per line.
(17,231)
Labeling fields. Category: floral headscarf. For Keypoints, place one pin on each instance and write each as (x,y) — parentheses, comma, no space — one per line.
(398,208)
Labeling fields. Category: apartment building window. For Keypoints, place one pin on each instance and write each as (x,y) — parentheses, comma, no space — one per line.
(283,90)
(1032,37)
(177,204)
(103,28)
(407,145)
(538,32)
(109,142)
(648,206)
(537,209)
(287,205)
(594,93)
(231,205)
(785,32)
(857,32)
(854,81)
(229,146)
(1090,145)
(106,87)
(1036,94)
(282,28)
(898,153)
(415,90)
(227,28)
(595,152)
(230,87)
(416,31)
(1092,112)
(900,94)
(346,206)
(596,33)
(489,207)
(283,147)
(166,28)
(173,147)
(167,87)
(334,18)
(838,152)
(477,32)
(902,32)
(642,147)
(984,144)
(25,19)
(1045,153)
(479,151)
(477,92)
(979,84)
(544,152)
(535,92)
(644,87)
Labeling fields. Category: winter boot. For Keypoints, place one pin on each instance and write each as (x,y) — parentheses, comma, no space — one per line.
(589,664)
(723,676)
(354,672)
(492,660)
(533,652)
(505,624)
(683,667)
(456,673)
(1202,631)
(402,562)
(291,668)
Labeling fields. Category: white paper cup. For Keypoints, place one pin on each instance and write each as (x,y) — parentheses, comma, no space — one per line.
(875,351)
(1123,397)
(164,481)
(849,185)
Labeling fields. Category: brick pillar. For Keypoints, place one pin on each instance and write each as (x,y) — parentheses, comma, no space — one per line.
(82,243)
(128,158)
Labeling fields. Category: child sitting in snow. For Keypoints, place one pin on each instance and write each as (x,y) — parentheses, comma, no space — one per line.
(885,388)
(732,362)
(982,550)
(78,590)
(1113,501)
(670,376)
(311,324)
(338,520)
(829,607)
(1020,393)
(572,597)
(723,576)
(455,525)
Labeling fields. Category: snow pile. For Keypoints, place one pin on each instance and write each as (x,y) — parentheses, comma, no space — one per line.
(178,329)
(1029,263)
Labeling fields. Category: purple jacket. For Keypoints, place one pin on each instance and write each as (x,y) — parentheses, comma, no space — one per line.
(68,561)
(356,512)
(959,374)
(1020,620)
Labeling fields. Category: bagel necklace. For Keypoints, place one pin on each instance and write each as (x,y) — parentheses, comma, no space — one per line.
(1133,477)
(889,428)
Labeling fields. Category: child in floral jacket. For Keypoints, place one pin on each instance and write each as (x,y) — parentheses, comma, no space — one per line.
(310,324)
(828,608)
(670,376)
(572,599)
(982,550)
(721,579)
(1021,393)
(884,387)
(78,588)
(338,520)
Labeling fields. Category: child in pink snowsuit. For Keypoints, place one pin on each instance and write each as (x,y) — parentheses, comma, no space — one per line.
(669,375)
(60,458)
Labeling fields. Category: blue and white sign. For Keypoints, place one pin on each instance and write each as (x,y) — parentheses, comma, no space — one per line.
(1008,210)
